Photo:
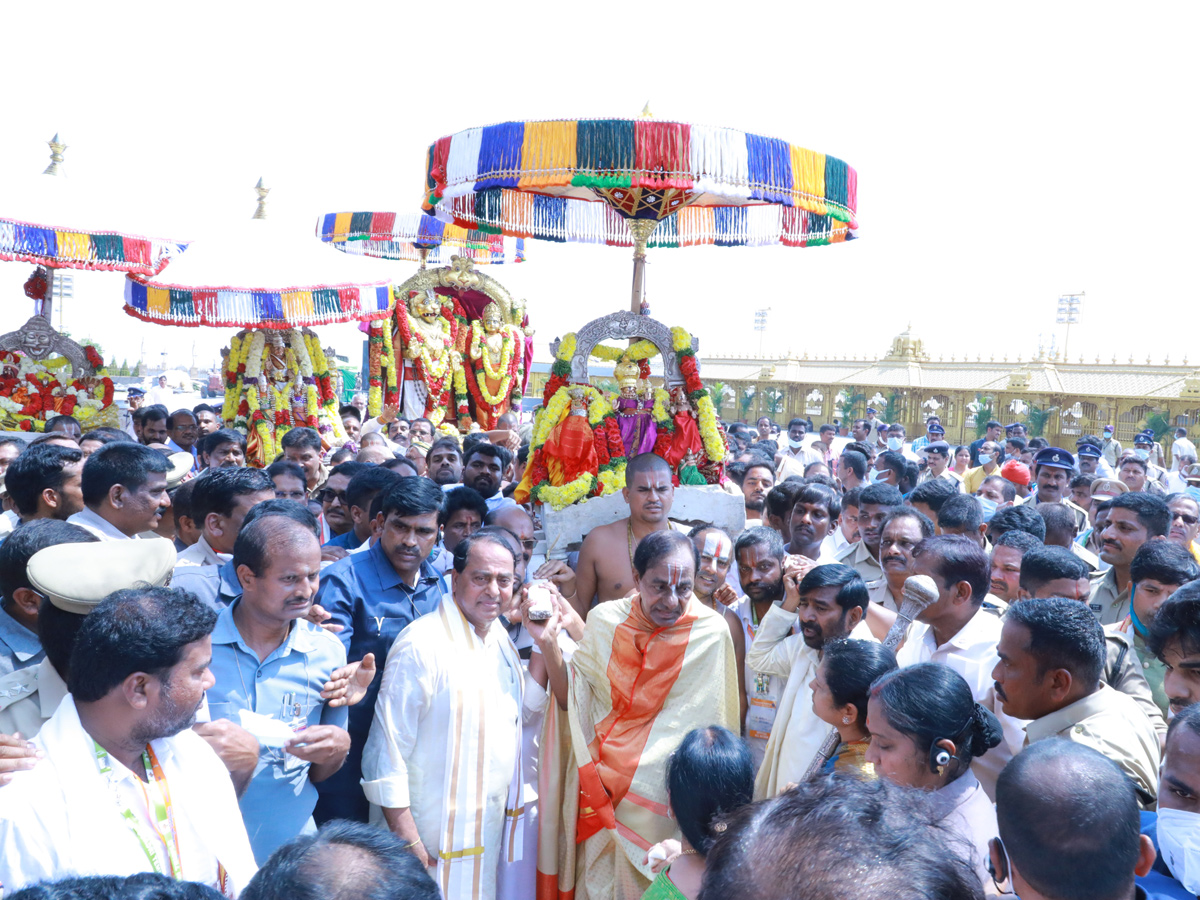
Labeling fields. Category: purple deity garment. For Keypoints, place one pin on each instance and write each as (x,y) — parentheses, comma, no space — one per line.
(638,431)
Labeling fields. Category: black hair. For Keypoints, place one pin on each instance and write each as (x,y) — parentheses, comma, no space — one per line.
(1152,511)
(212,441)
(1063,634)
(992,423)
(171,419)
(140,886)
(814,464)
(709,776)
(1083,480)
(880,495)
(287,467)
(659,544)
(1008,490)
(852,497)
(1188,717)
(462,551)
(349,469)
(781,497)
(961,513)
(1017,518)
(853,590)
(814,493)
(471,441)
(413,497)
(302,438)
(54,421)
(1068,817)
(793,422)
(1177,618)
(135,630)
(811,842)
(24,541)
(1133,461)
(153,413)
(288,509)
(956,558)
(930,702)
(366,483)
(851,667)
(205,407)
(344,861)
(181,500)
(855,462)
(934,492)
(907,512)
(56,631)
(348,410)
(463,498)
(495,451)
(1060,521)
(761,462)
(105,435)
(1165,562)
(760,536)
(266,536)
(218,490)
(1019,540)
(1017,442)
(400,461)
(894,461)
(445,441)
(37,469)
(122,462)
(1042,564)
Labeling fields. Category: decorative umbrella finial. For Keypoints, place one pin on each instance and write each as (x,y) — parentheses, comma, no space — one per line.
(56,156)
(646,114)
(261,211)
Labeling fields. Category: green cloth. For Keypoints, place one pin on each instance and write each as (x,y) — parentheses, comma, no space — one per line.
(663,888)
(1154,670)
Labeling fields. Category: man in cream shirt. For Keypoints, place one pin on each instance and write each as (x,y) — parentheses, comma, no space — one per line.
(826,603)
(124,491)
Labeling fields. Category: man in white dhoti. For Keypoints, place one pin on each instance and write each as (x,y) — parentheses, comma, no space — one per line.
(443,759)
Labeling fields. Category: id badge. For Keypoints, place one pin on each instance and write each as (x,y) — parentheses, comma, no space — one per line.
(291,762)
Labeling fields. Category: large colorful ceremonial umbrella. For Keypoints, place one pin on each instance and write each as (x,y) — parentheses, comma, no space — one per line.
(262,274)
(415,237)
(640,182)
(53,222)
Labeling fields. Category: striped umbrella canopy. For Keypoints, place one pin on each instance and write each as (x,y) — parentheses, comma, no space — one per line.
(640,182)
(262,273)
(55,222)
(415,237)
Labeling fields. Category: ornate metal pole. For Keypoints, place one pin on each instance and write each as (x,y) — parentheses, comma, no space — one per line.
(641,229)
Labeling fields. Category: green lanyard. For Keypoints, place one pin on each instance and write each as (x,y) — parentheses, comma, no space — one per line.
(159,807)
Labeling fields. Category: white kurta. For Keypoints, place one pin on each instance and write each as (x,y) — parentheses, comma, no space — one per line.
(798,732)
(62,817)
(406,762)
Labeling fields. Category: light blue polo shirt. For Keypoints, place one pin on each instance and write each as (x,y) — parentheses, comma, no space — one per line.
(19,647)
(279,801)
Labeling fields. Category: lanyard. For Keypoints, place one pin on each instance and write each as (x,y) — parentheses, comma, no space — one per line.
(160,809)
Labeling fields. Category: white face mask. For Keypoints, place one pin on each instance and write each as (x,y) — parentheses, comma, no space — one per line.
(989,508)
(985,458)
(1179,842)
(895,443)
(875,476)
(1141,454)
(795,443)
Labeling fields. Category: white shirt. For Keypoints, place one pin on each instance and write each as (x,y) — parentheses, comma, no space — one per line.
(159,396)
(1181,445)
(972,654)
(99,526)
(968,812)
(406,762)
(63,817)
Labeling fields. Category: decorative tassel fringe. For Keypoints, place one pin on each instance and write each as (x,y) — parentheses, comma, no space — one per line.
(108,252)
(385,235)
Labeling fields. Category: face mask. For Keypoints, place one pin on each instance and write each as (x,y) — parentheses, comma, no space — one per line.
(1141,454)
(985,458)
(874,476)
(1194,493)
(989,508)
(895,443)
(795,444)
(1179,843)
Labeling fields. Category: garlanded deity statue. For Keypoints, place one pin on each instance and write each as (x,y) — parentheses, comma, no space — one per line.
(686,452)
(636,420)
(570,449)
(495,364)
(424,341)
(38,340)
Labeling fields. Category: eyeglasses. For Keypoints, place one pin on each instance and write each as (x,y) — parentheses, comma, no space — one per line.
(1187,520)
(529,545)
(329,495)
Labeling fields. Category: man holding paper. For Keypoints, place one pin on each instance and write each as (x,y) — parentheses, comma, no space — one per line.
(270,666)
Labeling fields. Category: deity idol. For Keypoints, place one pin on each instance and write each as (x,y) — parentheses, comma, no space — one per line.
(686,453)
(424,340)
(638,431)
(494,366)
(570,448)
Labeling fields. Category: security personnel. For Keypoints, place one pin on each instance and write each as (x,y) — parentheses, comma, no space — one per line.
(1091,460)
(29,697)
(1053,468)
(1148,450)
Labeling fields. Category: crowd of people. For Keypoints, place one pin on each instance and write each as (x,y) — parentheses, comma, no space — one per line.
(919,671)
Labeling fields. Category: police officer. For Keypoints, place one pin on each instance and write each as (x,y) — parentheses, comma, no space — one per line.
(1053,468)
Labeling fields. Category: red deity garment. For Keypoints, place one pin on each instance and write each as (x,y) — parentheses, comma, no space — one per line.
(685,439)
(570,450)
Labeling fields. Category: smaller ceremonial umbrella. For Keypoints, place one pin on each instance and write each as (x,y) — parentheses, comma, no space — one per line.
(56,223)
(415,237)
(640,182)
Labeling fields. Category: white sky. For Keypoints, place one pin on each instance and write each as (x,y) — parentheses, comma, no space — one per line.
(1006,154)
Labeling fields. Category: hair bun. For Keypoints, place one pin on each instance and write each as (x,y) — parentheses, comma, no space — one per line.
(986,732)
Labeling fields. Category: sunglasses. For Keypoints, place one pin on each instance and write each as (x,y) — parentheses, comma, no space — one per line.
(329,495)
(1187,520)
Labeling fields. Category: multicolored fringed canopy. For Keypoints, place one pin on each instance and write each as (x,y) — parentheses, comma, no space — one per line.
(65,248)
(542,180)
(415,237)
(260,274)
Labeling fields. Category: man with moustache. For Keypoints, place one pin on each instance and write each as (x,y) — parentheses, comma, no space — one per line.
(874,504)
(1133,519)
(125,785)
(124,492)
(814,517)
(483,470)
(1174,639)
(757,481)
(903,529)
(443,462)
(262,639)
(826,603)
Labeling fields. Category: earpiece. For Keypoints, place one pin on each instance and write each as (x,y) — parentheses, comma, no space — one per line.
(939,757)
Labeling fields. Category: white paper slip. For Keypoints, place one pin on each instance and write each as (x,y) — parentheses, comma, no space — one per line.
(269,732)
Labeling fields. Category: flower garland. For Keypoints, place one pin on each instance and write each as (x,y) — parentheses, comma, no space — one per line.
(374,369)
(256,348)
(506,372)
(715,446)
(639,351)
(440,375)
(32,391)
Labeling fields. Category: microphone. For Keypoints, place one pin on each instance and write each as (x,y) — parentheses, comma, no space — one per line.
(919,591)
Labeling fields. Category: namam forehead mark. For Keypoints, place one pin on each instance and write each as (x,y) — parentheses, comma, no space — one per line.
(718,546)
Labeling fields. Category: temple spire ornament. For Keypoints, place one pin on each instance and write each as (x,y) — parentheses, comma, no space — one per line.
(260,211)
(56,156)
